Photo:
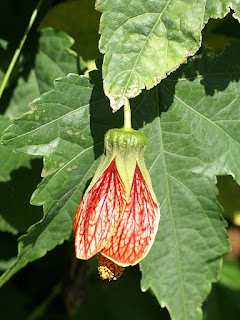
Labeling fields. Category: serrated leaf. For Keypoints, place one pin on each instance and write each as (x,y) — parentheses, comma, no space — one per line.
(198,138)
(10,160)
(191,120)
(143,41)
(46,58)
(35,74)
(219,9)
(59,129)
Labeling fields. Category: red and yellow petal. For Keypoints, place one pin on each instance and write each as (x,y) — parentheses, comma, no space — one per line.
(97,216)
(137,227)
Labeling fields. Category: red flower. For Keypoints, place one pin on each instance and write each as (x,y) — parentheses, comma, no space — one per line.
(118,215)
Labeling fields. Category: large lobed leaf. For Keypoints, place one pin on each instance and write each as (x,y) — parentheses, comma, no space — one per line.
(47,57)
(58,127)
(197,139)
(143,40)
(192,123)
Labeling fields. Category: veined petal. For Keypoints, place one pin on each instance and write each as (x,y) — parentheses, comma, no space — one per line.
(98,214)
(137,227)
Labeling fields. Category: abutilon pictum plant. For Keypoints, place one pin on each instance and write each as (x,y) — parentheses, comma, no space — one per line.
(118,215)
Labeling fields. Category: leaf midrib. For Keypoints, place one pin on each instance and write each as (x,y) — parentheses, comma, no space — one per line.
(52,61)
(73,159)
(201,115)
(54,120)
(143,47)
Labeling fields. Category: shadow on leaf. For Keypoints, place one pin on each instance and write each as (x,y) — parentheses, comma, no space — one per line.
(15,194)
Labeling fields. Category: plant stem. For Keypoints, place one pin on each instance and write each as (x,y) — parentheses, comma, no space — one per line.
(18,50)
(127,115)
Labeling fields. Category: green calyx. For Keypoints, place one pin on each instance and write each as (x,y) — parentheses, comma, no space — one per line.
(125,141)
(127,147)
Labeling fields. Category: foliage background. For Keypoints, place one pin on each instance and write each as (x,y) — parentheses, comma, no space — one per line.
(57,286)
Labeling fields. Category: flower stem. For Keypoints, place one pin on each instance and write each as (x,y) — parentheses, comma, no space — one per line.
(127,115)
(18,50)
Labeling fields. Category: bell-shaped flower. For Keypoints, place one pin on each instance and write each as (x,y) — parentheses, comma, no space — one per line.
(118,215)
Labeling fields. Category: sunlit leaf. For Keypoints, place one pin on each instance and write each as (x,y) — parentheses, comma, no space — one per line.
(59,128)
(198,138)
(143,41)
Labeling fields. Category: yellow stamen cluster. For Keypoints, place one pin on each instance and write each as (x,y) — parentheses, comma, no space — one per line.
(108,269)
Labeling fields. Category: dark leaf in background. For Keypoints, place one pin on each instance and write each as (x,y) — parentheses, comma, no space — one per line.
(10,160)
(144,41)
(16,186)
(81,21)
(47,57)
(222,304)
(16,213)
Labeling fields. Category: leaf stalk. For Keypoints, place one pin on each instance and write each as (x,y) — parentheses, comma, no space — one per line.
(127,115)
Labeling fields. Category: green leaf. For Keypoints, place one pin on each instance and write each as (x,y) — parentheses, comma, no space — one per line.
(229,198)
(35,74)
(218,9)
(15,198)
(197,139)
(230,274)
(6,264)
(10,160)
(15,173)
(143,41)
(5,225)
(44,60)
(59,129)
(191,120)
